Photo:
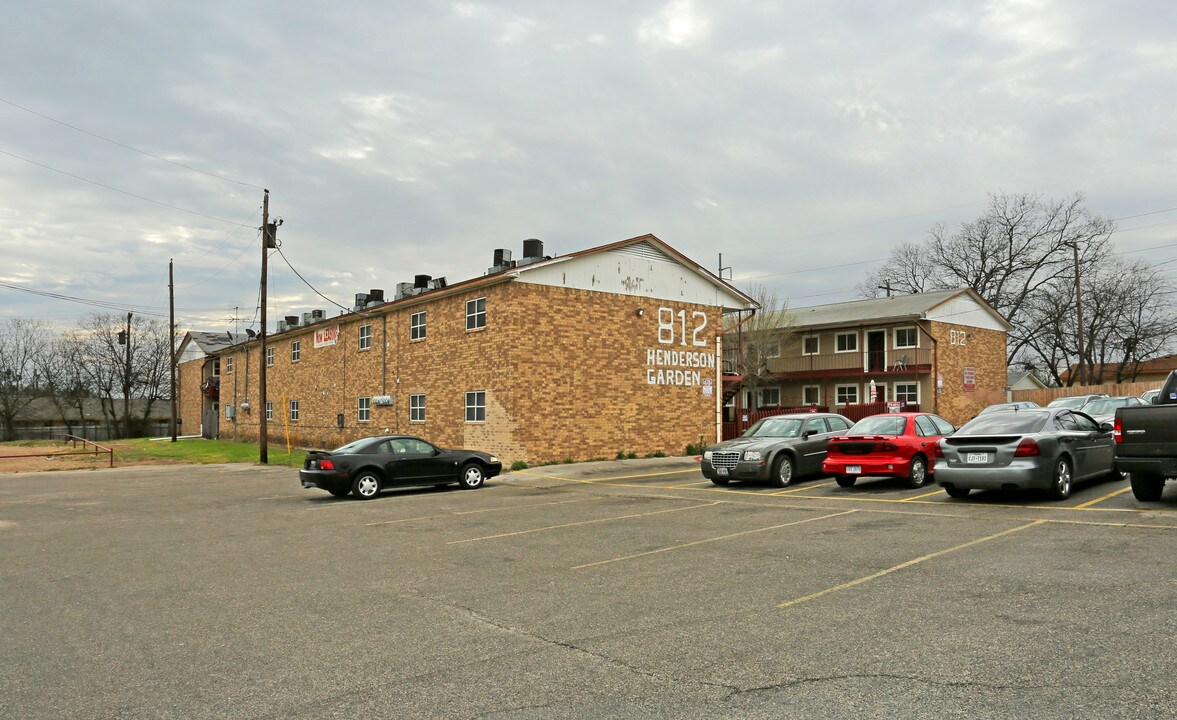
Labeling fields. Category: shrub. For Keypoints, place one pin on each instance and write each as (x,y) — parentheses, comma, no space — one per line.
(519,465)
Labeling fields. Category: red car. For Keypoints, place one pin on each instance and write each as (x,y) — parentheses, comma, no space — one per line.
(895,445)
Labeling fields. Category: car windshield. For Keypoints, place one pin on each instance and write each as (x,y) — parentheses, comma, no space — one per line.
(1106,406)
(1022,422)
(775,427)
(1068,402)
(879,425)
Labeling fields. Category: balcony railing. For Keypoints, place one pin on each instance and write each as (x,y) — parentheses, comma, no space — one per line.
(908,361)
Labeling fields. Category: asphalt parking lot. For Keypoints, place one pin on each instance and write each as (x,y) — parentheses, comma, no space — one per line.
(631,589)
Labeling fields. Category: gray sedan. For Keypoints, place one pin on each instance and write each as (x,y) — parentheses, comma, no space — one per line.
(777,449)
(1048,448)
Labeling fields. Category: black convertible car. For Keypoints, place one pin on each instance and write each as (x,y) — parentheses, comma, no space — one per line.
(365,467)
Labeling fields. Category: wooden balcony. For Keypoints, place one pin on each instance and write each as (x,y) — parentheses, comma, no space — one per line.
(912,361)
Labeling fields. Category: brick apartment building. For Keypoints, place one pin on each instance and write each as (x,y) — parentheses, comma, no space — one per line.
(580,356)
(943,352)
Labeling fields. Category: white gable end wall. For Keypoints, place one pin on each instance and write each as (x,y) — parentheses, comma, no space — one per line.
(641,270)
(964,310)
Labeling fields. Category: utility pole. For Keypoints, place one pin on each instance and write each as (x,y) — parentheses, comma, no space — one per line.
(263,458)
(172,342)
(1080,366)
(886,286)
(127,382)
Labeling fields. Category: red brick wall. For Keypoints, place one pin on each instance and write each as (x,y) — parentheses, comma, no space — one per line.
(565,375)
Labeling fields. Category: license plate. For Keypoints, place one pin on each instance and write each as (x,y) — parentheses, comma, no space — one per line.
(721,471)
(976,458)
(853,469)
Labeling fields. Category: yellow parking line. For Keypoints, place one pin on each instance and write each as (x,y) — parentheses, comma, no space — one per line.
(909,563)
(687,485)
(1089,503)
(917,497)
(714,539)
(582,522)
(800,489)
(475,512)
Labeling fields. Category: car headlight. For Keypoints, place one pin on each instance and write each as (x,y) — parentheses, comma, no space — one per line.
(752,455)
(494,458)
(706,454)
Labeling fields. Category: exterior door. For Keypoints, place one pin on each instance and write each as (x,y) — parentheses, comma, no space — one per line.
(876,350)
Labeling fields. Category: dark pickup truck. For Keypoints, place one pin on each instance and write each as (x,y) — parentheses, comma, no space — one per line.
(1146,442)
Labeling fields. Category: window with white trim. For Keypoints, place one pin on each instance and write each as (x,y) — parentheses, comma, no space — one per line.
(811,395)
(906,337)
(270,356)
(365,409)
(846,342)
(269,409)
(417,408)
(476,406)
(216,367)
(228,364)
(770,397)
(476,313)
(811,345)
(295,350)
(293,410)
(365,337)
(417,325)
(907,392)
(846,394)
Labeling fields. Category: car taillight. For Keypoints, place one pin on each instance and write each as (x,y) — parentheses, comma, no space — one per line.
(887,447)
(326,465)
(1118,430)
(1028,447)
(937,451)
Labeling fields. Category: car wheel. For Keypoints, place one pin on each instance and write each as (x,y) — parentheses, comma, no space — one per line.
(782,471)
(1147,488)
(720,481)
(366,485)
(845,480)
(918,475)
(472,476)
(1060,489)
(339,492)
(954,491)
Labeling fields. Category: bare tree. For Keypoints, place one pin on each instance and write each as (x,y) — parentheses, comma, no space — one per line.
(1023,245)
(63,381)
(759,339)
(22,341)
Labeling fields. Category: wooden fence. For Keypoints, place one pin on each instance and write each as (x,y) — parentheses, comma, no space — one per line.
(1042,397)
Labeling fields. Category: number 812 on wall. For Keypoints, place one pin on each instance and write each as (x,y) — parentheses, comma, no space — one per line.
(669,321)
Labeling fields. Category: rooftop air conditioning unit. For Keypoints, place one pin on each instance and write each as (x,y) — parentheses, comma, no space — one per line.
(533,251)
(307,318)
(420,283)
(318,315)
(292,321)
(437,283)
(382,400)
(375,296)
(403,290)
(281,326)
(361,301)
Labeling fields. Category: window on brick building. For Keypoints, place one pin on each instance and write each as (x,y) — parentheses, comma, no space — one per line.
(770,397)
(365,337)
(476,313)
(269,356)
(417,408)
(269,409)
(293,410)
(365,412)
(216,366)
(476,406)
(846,394)
(417,325)
(295,350)
(811,395)
(228,364)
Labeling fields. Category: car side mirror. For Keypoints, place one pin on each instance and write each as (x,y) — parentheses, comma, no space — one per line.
(807,434)
(1107,426)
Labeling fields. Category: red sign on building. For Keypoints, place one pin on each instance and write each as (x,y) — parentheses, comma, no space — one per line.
(970,379)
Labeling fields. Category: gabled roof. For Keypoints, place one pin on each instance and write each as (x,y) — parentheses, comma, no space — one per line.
(1013,377)
(198,344)
(885,309)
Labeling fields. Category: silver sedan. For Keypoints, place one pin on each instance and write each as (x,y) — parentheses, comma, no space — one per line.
(1047,448)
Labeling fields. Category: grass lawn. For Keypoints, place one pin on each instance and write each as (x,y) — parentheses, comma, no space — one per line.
(141,451)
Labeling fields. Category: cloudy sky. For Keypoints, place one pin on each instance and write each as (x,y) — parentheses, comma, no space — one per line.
(801,140)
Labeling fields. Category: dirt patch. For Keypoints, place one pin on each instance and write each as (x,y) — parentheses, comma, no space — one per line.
(61,456)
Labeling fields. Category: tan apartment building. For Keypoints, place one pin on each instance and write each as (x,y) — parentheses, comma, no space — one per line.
(943,352)
(604,351)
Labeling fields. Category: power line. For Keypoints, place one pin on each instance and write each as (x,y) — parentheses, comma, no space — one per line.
(128,147)
(125,307)
(124,192)
(312,287)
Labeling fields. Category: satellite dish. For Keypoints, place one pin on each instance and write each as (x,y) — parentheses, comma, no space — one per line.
(251,333)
